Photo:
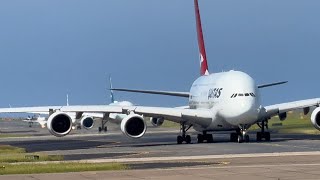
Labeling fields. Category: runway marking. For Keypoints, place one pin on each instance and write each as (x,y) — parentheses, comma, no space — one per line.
(180,158)
(237,166)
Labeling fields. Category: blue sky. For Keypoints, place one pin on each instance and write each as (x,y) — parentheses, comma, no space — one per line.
(51,48)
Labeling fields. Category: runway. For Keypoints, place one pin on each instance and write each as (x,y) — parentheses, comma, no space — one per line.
(287,156)
(158,142)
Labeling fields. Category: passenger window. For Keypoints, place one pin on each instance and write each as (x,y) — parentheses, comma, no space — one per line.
(240,94)
(247,94)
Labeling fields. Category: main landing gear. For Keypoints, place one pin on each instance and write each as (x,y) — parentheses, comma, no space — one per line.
(183,137)
(205,137)
(263,135)
(240,136)
(103,126)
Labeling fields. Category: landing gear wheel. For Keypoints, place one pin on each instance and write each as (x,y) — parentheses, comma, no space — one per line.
(233,137)
(267,136)
(247,138)
(105,129)
(240,139)
(99,129)
(259,136)
(209,138)
(188,139)
(200,138)
(179,140)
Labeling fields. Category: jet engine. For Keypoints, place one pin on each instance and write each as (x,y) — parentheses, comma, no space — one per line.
(156,122)
(59,124)
(87,122)
(133,126)
(315,118)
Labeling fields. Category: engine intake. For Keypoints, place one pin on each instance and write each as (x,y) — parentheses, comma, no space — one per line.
(315,118)
(156,122)
(87,122)
(133,126)
(59,124)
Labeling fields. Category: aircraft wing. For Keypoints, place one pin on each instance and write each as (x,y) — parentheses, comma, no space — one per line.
(276,109)
(172,114)
(168,93)
(33,110)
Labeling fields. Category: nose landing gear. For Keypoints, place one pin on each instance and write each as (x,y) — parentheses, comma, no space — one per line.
(241,135)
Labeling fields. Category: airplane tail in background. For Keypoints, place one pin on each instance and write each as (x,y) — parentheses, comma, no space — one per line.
(67,99)
(203,56)
(111,90)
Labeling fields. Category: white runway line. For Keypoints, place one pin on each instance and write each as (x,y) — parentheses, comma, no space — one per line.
(206,157)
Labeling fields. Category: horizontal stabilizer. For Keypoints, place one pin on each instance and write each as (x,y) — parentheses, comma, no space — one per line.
(272,84)
(167,93)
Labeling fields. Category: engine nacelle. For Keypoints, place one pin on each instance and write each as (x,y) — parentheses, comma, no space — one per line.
(87,122)
(283,116)
(133,126)
(156,122)
(315,118)
(59,124)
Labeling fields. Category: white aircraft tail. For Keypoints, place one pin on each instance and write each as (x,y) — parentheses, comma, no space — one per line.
(203,56)
(111,90)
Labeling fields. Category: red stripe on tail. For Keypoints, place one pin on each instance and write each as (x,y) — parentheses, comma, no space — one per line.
(203,56)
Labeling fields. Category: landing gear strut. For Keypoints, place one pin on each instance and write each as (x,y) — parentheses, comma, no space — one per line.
(205,137)
(103,126)
(263,135)
(183,137)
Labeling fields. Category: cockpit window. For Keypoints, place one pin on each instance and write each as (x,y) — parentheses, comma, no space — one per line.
(242,95)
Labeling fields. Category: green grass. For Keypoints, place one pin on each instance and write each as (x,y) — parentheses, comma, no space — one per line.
(15,160)
(10,154)
(25,157)
(170,124)
(58,168)
(11,149)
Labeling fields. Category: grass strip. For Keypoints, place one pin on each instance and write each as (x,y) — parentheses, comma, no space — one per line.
(62,167)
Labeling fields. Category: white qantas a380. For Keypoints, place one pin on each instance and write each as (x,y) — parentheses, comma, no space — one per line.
(227,101)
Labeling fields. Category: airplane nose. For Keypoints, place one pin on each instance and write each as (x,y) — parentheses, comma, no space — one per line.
(243,112)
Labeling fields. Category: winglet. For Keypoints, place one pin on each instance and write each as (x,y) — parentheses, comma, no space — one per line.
(203,56)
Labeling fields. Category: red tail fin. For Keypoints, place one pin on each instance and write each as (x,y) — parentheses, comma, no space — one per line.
(203,56)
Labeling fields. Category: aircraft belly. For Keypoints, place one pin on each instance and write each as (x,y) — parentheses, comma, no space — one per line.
(218,124)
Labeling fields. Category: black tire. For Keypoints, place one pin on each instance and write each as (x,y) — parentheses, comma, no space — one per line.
(247,138)
(209,138)
(267,136)
(240,139)
(99,129)
(233,137)
(200,138)
(188,139)
(179,140)
(259,136)
(105,129)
